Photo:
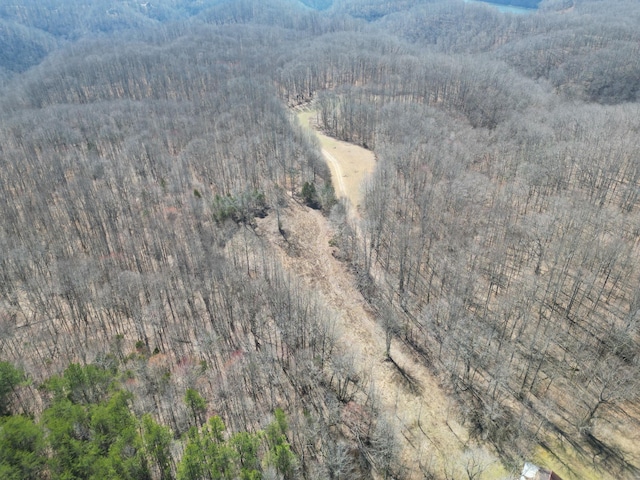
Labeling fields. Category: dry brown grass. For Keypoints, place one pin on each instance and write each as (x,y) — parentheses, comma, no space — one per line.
(426,419)
(353,164)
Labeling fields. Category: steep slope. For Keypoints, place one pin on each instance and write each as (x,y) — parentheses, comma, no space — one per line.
(408,394)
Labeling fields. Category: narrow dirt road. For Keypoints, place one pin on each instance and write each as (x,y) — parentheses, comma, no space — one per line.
(337,174)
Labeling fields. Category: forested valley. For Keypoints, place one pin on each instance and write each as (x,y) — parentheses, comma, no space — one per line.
(162,309)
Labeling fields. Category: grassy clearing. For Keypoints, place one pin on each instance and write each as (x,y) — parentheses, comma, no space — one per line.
(355,163)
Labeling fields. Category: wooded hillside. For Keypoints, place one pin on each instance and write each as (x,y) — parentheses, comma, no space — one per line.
(141,144)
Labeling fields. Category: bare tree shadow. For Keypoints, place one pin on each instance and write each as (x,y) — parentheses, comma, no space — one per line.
(407,379)
(611,458)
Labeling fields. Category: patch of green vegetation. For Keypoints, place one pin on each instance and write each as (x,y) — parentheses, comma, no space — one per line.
(88,431)
(319,200)
(310,196)
(242,208)
(10,378)
(243,455)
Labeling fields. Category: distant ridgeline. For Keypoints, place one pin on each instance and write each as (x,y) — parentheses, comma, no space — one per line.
(516,3)
(324,4)
(318,4)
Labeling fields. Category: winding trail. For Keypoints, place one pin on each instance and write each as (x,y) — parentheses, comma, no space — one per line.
(335,166)
(350,164)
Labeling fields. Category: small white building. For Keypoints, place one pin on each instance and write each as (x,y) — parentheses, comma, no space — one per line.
(534,472)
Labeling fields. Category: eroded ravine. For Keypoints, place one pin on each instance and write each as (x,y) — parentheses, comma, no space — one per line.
(425,419)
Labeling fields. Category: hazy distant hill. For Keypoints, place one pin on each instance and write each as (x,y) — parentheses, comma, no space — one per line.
(318,4)
(30,29)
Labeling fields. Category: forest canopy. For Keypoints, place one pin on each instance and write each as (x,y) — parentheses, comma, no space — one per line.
(175,257)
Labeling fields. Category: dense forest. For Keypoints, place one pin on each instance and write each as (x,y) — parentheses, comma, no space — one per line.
(149,326)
